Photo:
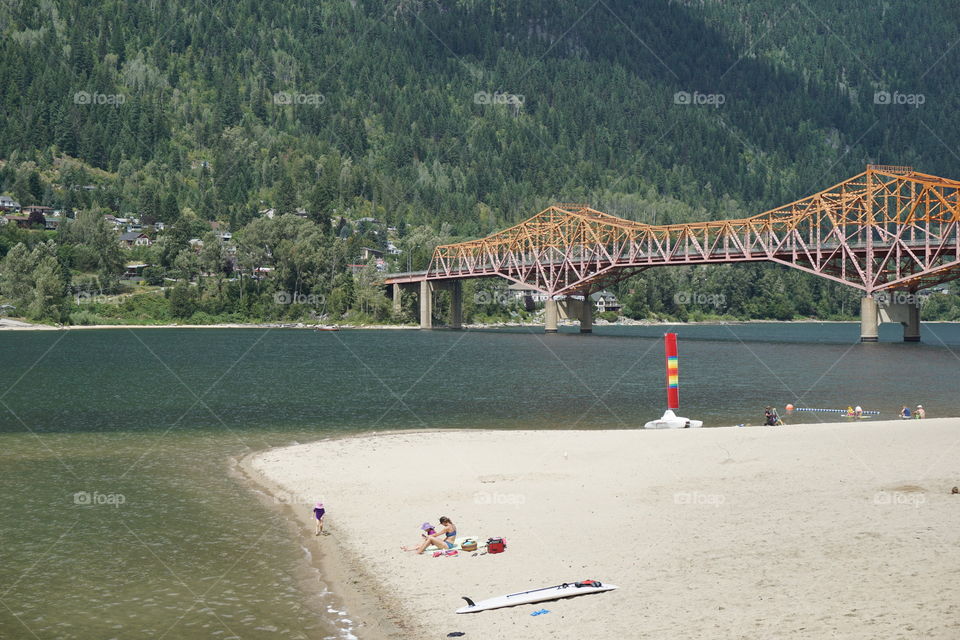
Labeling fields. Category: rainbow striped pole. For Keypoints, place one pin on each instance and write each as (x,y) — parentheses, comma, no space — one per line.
(670,420)
(673,371)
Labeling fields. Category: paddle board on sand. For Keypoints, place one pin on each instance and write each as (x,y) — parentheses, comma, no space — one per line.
(565,590)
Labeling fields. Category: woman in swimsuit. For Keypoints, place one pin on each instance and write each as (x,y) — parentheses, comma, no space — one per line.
(445,538)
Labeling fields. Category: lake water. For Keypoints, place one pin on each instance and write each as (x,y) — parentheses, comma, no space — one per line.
(118,517)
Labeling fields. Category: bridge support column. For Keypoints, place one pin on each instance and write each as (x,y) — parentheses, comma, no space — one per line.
(396,299)
(586,316)
(426,305)
(911,328)
(869,320)
(550,313)
(456,304)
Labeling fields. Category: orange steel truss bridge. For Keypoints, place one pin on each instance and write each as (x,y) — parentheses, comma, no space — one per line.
(887,228)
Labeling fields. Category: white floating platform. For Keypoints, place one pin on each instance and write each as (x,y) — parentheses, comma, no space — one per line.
(672,421)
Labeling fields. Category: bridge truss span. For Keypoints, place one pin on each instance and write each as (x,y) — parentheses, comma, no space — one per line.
(886,228)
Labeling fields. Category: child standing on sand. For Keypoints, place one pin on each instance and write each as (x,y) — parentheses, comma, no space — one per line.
(318,513)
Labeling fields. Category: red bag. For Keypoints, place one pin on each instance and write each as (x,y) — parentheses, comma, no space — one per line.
(496,545)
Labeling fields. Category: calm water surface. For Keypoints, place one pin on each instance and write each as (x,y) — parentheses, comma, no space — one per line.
(142,424)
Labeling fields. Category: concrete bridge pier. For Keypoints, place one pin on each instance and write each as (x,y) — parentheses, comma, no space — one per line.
(911,328)
(905,310)
(396,298)
(869,320)
(551,313)
(427,289)
(586,316)
(456,304)
(426,305)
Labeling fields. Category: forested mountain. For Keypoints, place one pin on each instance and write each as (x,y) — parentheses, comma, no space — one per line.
(463,116)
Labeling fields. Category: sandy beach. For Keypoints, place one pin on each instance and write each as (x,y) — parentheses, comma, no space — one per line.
(814,531)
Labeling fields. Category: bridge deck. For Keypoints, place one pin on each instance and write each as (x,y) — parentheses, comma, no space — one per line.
(889,227)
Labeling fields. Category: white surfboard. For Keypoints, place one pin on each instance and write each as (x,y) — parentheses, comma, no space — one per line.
(565,590)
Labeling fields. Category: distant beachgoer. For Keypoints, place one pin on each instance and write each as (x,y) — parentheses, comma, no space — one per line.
(850,411)
(858,412)
(768,417)
(444,539)
(318,513)
(920,413)
(905,412)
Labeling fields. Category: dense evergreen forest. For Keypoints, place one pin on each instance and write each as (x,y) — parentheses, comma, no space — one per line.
(308,131)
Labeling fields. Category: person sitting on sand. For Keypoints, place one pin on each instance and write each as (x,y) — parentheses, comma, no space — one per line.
(905,412)
(920,413)
(426,529)
(445,539)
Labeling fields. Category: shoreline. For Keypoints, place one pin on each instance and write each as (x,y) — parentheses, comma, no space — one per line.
(11,324)
(356,591)
(372,481)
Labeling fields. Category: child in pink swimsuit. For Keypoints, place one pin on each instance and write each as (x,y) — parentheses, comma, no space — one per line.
(318,513)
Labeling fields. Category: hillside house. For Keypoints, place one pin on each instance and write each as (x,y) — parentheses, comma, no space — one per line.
(605,301)
(9,204)
(132,239)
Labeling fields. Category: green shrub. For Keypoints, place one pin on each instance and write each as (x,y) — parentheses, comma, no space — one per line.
(85,318)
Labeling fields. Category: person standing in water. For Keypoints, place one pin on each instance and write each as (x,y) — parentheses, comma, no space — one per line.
(318,513)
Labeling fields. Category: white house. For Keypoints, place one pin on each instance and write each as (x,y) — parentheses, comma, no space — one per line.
(9,204)
(135,239)
(605,301)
